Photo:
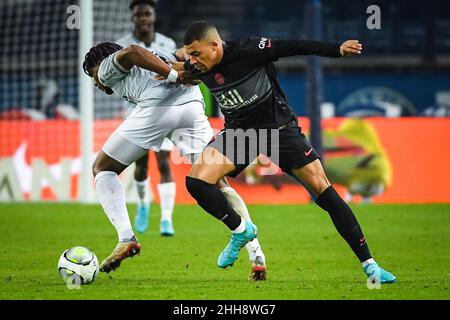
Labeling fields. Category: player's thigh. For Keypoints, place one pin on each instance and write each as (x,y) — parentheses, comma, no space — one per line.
(313,177)
(298,158)
(211,166)
(194,132)
(146,127)
(122,150)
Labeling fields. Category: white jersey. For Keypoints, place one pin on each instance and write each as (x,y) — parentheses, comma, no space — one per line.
(139,86)
(160,42)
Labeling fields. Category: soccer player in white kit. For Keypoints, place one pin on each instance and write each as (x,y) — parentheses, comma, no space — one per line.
(163,109)
(144,34)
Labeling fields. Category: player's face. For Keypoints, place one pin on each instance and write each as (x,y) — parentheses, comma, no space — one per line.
(98,84)
(203,55)
(143,18)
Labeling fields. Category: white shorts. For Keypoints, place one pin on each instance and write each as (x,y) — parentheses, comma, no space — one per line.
(167,144)
(146,128)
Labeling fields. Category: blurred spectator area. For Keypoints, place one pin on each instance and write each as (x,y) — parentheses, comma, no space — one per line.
(405,64)
(413,33)
(410,54)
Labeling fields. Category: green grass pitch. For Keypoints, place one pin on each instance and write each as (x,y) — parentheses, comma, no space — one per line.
(306,257)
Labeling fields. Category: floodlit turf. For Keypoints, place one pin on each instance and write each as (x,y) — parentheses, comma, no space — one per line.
(306,257)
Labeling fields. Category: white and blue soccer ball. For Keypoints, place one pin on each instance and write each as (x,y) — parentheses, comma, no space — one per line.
(78,266)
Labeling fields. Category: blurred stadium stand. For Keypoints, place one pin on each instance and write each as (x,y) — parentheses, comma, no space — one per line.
(410,54)
(409,28)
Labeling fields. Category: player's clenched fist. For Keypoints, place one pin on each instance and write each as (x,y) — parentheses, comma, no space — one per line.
(185,77)
(350,48)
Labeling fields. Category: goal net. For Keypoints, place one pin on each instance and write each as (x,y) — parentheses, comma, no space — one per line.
(43,106)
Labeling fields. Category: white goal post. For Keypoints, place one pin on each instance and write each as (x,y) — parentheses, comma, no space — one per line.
(86,100)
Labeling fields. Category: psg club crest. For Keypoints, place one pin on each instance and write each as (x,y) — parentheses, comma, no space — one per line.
(220,79)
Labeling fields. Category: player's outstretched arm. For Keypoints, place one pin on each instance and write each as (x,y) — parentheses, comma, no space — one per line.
(135,55)
(265,49)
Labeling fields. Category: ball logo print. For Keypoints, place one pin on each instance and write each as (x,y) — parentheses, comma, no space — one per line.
(73,282)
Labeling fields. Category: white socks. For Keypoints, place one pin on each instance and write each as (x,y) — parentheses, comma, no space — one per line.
(143,191)
(112,199)
(167,196)
(254,249)
(240,228)
(368,261)
(234,199)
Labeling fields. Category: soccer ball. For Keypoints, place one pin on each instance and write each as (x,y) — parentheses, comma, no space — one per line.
(77,266)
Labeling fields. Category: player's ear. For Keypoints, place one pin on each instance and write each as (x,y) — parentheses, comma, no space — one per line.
(214,45)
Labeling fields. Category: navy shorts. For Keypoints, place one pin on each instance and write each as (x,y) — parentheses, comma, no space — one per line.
(287,147)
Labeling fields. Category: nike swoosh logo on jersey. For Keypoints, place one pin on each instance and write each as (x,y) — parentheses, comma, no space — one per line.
(307,153)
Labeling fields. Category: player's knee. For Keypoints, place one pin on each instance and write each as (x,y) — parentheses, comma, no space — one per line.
(196,187)
(94,171)
(320,185)
(105,163)
(206,173)
(140,172)
(96,166)
(313,177)
(164,167)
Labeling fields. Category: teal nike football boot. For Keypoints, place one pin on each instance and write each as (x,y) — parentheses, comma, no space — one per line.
(378,274)
(141,219)
(166,228)
(231,252)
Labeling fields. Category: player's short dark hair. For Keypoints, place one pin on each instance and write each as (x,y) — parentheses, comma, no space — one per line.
(197,31)
(96,55)
(151,3)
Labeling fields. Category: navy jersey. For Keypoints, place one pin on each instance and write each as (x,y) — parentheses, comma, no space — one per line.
(245,83)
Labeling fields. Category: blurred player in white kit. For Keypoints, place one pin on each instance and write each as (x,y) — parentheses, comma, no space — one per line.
(144,34)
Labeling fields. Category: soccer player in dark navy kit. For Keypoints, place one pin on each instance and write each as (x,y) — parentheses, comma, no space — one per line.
(242,78)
